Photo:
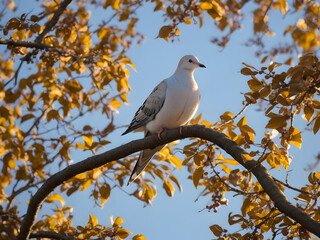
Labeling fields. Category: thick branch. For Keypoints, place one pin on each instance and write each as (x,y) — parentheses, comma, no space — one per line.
(220,139)
(52,235)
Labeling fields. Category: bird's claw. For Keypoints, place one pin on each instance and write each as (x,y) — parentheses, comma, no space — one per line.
(180,130)
(159,133)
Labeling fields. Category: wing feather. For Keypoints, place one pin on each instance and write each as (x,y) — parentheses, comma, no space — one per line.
(150,108)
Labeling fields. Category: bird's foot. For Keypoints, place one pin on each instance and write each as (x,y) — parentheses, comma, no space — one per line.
(159,133)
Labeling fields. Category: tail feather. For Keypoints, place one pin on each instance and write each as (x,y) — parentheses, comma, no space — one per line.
(143,161)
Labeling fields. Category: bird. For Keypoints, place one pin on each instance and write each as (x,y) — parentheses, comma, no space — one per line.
(172,103)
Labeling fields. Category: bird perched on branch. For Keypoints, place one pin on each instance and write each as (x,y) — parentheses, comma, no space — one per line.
(171,104)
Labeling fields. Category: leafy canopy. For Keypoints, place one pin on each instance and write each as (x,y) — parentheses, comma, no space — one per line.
(58,70)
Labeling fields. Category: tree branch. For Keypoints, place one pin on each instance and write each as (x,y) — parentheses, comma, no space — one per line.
(52,235)
(28,44)
(220,139)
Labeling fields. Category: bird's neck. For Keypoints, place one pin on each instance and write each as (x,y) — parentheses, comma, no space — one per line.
(184,74)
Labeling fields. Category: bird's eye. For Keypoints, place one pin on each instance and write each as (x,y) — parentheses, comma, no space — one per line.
(190,61)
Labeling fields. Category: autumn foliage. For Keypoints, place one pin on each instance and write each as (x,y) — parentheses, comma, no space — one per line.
(57,71)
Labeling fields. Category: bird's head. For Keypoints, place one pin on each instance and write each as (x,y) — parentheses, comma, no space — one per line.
(190,63)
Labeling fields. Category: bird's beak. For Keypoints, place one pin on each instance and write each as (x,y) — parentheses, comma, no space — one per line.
(201,65)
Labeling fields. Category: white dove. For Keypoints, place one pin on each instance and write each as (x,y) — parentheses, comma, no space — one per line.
(171,104)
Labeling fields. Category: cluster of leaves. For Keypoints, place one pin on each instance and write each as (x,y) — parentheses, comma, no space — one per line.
(78,72)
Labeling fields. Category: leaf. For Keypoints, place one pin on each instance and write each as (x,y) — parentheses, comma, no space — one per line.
(242,121)
(316,125)
(122,233)
(139,237)
(88,140)
(27,117)
(206,5)
(188,21)
(264,59)
(196,120)
(175,161)
(255,85)
(167,185)
(104,191)
(230,161)
(81,146)
(93,220)
(225,168)
(56,197)
(248,71)
(85,185)
(175,180)
(216,230)
(283,6)
(246,157)
(295,137)
(197,176)
(277,122)
(165,31)
(308,112)
(53,114)
(117,222)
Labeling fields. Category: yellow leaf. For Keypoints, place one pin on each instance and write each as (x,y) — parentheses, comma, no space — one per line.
(117,222)
(177,32)
(295,137)
(56,197)
(167,185)
(225,168)
(316,125)
(196,120)
(242,122)
(230,161)
(197,175)
(175,161)
(205,6)
(302,24)
(206,123)
(122,233)
(308,112)
(11,164)
(93,220)
(81,176)
(188,21)
(81,146)
(246,157)
(85,185)
(175,180)
(88,140)
(139,237)
(283,6)
(276,122)
(116,4)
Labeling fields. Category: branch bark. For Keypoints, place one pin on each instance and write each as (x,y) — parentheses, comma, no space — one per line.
(28,44)
(52,235)
(220,139)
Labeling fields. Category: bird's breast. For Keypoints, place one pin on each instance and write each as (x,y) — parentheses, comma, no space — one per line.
(181,103)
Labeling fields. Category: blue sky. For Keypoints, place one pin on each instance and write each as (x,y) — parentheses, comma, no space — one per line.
(220,85)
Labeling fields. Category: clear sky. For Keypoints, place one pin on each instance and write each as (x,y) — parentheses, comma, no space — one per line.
(220,85)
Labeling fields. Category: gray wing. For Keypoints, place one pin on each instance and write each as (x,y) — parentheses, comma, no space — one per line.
(150,108)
